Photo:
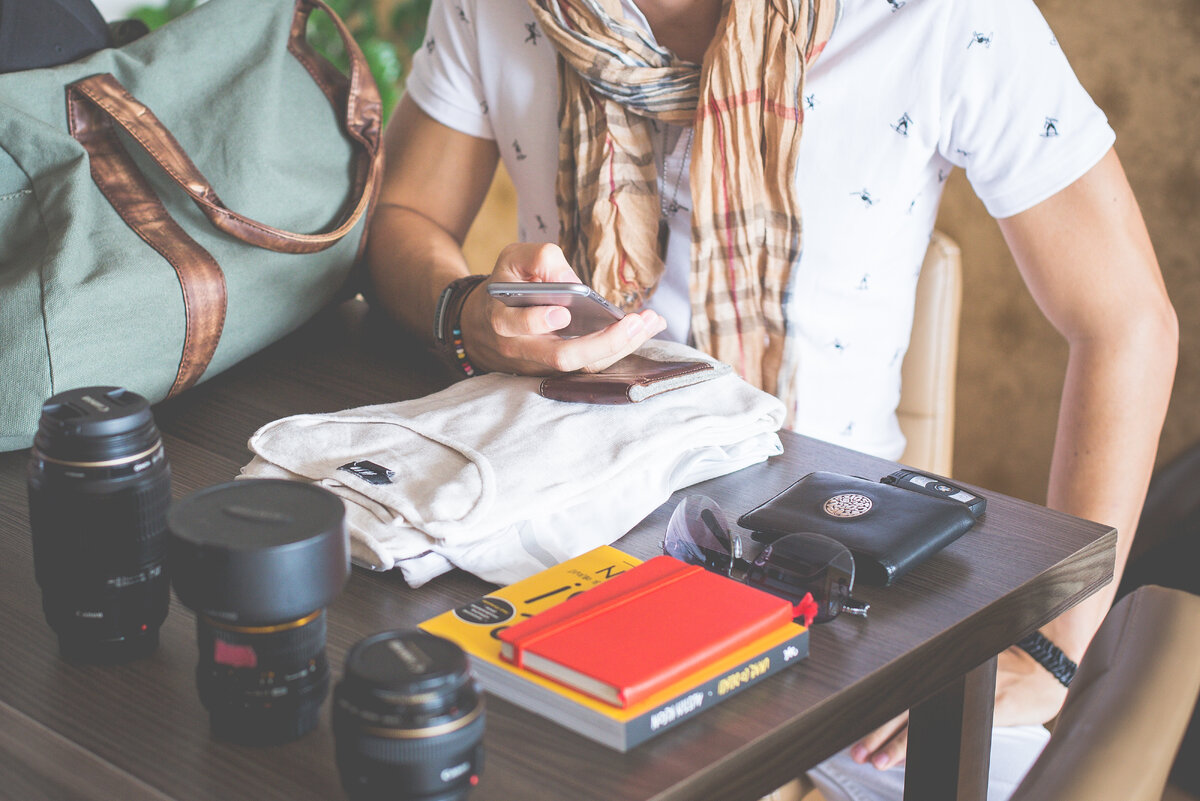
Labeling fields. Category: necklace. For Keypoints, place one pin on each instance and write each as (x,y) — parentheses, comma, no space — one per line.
(668,208)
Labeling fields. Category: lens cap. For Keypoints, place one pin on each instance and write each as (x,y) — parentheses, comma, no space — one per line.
(258,550)
(405,663)
(95,424)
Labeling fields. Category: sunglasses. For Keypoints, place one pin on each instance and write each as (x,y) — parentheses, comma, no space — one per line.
(814,572)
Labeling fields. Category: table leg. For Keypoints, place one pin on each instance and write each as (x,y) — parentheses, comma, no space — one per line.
(950,740)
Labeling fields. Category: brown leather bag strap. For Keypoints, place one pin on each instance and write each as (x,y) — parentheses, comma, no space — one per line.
(132,196)
(357,96)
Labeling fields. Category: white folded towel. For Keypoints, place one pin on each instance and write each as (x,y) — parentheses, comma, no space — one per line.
(489,476)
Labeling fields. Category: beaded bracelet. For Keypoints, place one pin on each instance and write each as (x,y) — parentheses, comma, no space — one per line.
(1049,656)
(447,324)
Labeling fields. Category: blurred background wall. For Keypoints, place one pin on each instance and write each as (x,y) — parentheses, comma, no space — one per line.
(1141,63)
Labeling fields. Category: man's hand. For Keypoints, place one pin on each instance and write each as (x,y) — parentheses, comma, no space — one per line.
(1026,693)
(522,340)
(435,180)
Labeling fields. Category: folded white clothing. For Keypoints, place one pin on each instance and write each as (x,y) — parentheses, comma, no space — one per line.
(489,476)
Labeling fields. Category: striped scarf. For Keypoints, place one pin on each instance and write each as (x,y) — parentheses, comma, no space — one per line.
(744,102)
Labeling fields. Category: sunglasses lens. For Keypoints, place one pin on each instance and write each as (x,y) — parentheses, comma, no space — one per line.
(801,563)
(699,534)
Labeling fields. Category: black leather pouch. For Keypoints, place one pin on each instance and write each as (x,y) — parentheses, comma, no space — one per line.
(889,529)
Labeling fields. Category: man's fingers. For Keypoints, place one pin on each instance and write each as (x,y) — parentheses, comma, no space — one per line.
(592,352)
(523,339)
(533,261)
(884,747)
(512,321)
(633,331)
(893,752)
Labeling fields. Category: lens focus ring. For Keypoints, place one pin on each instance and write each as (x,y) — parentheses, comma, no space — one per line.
(409,746)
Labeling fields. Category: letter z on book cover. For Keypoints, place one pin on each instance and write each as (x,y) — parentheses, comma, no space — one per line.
(477,624)
(643,630)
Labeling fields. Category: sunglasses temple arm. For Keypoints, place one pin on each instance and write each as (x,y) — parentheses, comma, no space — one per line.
(710,521)
(853,606)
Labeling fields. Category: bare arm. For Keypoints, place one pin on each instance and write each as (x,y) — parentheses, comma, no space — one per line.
(1087,259)
(435,181)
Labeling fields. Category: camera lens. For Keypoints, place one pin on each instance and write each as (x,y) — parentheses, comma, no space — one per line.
(258,561)
(99,487)
(408,720)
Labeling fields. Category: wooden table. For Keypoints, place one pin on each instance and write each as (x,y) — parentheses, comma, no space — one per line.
(138,731)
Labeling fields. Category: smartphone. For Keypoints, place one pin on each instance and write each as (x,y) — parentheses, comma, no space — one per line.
(589,312)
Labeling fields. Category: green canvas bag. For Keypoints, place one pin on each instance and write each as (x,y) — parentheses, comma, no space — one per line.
(172,206)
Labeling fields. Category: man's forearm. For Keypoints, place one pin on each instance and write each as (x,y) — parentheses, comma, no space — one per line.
(1087,258)
(412,259)
(1114,400)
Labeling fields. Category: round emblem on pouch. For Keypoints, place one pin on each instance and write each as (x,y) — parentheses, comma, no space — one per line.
(848,504)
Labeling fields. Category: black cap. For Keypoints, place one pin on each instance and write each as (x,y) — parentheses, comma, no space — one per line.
(408,679)
(258,551)
(406,663)
(95,424)
(46,33)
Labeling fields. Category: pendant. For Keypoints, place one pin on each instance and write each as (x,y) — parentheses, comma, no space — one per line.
(664,230)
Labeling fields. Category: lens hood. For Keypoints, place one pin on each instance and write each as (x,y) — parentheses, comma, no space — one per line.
(258,551)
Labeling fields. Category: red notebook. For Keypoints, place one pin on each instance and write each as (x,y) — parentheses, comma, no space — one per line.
(642,630)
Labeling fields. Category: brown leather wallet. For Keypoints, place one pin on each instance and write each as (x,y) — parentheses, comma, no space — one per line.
(630,380)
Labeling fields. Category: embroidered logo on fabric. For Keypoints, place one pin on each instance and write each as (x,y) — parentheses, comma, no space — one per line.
(369,472)
(848,504)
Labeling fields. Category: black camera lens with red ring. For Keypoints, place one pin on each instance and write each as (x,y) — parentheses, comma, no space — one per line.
(258,561)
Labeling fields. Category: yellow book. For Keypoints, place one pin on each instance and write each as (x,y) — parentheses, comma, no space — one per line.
(473,626)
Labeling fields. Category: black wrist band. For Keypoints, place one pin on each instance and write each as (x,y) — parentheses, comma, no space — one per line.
(447,324)
(1049,656)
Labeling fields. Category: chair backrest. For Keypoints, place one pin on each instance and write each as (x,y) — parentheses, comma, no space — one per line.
(1128,705)
(926,410)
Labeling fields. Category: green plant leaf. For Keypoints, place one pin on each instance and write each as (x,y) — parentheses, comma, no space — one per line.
(385,64)
(153,17)
(408,24)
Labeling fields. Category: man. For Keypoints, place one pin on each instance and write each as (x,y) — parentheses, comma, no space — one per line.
(657,141)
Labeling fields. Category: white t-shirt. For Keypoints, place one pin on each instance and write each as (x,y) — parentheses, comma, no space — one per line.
(905,91)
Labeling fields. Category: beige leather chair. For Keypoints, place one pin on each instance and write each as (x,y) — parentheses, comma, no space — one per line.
(926,409)
(1128,706)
